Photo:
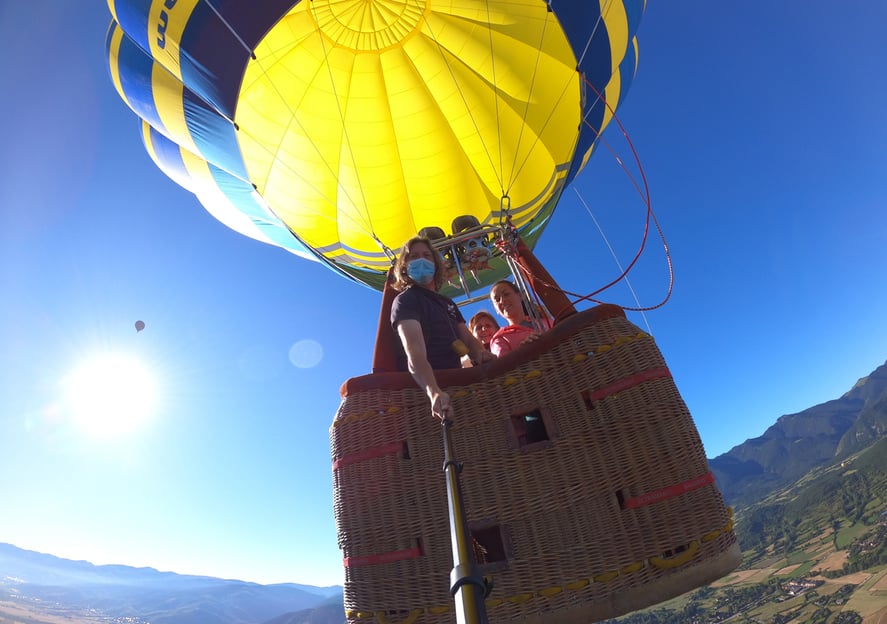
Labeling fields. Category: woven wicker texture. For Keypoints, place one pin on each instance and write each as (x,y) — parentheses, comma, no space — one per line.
(614,511)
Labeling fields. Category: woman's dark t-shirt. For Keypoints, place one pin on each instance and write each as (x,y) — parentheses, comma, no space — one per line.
(438,316)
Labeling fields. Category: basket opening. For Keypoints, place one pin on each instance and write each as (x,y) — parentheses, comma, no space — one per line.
(586,398)
(488,545)
(529,428)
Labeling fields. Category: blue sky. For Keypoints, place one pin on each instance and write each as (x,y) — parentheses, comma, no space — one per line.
(760,127)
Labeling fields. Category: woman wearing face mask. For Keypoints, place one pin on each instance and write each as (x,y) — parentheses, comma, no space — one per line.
(432,330)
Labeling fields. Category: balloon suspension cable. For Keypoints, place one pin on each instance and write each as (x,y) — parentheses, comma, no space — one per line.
(230,28)
(515,169)
(507,245)
(505,185)
(603,234)
(260,201)
(645,197)
(360,224)
(392,257)
(505,211)
(644,194)
(364,222)
(443,52)
(534,306)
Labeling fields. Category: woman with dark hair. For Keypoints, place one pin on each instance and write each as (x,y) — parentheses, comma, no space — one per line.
(432,330)
(508,303)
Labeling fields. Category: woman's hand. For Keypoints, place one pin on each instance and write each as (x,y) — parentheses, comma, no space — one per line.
(531,338)
(440,405)
(482,355)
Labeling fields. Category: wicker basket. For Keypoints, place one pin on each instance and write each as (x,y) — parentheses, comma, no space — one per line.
(585,483)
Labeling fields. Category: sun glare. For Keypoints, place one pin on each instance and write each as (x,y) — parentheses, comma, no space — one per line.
(110,394)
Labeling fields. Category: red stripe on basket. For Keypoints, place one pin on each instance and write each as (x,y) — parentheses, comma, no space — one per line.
(628,382)
(379,451)
(389,557)
(669,492)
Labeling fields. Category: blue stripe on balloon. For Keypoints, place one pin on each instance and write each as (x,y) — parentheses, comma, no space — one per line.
(627,70)
(214,57)
(134,68)
(581,21)
(634,11)
(132,15)
(214,136)
(169,154)
(242,196)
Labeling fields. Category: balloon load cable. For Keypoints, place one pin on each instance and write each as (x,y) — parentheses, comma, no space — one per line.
(644,193)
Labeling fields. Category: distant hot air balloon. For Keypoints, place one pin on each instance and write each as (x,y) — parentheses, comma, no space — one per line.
(140,325)
(338,129)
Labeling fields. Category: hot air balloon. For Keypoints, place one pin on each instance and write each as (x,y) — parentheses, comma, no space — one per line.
(337,130)
(139,325)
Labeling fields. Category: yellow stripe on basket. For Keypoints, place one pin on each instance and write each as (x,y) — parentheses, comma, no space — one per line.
(605,577)
(677,561)
(548,592)
(711,535)
(414,615)
(632,567)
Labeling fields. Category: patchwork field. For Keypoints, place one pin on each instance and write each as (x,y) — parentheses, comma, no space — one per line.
(14,613)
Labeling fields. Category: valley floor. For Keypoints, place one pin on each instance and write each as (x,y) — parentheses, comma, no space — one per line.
(41,613)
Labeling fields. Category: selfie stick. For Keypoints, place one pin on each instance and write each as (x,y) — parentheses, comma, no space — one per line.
(466,582)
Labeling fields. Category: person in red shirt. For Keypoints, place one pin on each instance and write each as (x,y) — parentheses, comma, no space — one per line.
(509,304)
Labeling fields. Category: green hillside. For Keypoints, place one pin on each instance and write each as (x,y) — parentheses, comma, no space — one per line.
(814,552)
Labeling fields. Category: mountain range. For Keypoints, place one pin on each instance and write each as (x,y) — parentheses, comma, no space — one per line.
(803,448)
(798,443)
(147,595)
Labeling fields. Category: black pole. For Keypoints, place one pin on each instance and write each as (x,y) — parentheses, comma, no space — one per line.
(466,582)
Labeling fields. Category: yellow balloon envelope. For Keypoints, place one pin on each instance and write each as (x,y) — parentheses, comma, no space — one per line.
(338,129)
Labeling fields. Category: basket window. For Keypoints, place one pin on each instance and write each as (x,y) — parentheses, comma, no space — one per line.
(488,545)
(529,428)
(674,552)
(586,398)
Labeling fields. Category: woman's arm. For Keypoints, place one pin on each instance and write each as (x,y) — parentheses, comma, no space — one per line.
(410,332)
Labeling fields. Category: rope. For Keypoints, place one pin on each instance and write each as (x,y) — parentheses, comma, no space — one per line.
(349,151)
(600,230)
(644,193)
(230,28)
(645,197)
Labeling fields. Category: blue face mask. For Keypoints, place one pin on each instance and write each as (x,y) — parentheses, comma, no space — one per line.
(421,271)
